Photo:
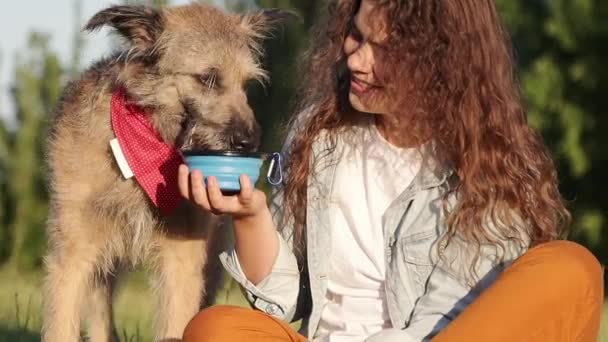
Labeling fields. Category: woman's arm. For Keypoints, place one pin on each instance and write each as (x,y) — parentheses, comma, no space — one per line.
(256,244)
(256,241)
(262,261)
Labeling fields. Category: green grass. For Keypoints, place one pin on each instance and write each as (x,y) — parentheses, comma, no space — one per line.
(21,301)
(21,298)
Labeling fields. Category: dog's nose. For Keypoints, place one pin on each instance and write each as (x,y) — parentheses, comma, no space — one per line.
(242,141)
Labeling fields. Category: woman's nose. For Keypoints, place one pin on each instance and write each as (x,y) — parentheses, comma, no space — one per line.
(358,61)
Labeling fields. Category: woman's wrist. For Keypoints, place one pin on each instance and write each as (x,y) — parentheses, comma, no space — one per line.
(256,244)
(252,220)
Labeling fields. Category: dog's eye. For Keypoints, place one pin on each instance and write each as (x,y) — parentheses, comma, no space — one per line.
(209,79)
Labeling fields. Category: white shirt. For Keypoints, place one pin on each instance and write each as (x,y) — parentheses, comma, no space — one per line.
(370,175)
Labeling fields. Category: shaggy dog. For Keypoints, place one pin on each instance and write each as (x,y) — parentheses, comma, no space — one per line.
(180,84)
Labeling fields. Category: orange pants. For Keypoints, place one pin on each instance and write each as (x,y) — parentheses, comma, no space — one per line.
(552,293)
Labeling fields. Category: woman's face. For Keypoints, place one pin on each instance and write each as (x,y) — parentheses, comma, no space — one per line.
(359,50)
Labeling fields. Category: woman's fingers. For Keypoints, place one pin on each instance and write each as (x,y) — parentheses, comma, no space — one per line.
(219,203)
(182,181)
(210,196)
(199,193)
(246,194)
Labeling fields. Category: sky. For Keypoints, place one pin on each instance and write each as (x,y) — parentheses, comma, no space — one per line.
(55,17)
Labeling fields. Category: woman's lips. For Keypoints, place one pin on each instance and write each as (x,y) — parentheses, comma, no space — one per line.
(359,87)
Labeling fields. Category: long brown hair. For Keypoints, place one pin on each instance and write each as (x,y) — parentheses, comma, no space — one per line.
(450,63)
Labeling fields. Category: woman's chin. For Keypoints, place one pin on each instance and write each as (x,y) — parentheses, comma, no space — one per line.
(358,105)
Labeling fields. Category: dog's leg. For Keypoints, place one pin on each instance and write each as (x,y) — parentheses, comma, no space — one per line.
(179,282)
(70,268)
(221,239)
(100,317)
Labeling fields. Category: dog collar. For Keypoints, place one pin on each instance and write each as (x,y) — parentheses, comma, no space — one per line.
(153,162)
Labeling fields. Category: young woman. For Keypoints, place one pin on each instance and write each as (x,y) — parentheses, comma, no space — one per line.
(417,203)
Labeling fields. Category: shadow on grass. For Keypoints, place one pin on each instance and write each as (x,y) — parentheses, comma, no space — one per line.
(17,335)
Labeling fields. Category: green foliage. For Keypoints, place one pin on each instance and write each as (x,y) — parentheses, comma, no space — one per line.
(78,40)
(21,307)
(159,3)
(4,155)
(4,233)
(155,3)
(562,52)
(272,103)
(36,91)
(561,48)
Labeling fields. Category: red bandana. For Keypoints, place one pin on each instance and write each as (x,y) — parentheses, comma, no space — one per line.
(153,162)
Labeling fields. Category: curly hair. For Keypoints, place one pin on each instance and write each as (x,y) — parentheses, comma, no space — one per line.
(450,63)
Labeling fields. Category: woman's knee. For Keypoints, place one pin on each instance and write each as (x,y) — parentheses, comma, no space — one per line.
(213,324)
(570,265)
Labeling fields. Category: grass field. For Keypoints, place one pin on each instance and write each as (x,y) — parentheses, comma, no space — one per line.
(21,300)
(21,297)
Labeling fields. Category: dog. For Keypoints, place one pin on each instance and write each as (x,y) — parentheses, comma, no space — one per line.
(183,73)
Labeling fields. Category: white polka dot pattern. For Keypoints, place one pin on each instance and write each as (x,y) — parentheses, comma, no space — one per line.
(153,162)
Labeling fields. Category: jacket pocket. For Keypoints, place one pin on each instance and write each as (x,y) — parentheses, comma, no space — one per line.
(416,251)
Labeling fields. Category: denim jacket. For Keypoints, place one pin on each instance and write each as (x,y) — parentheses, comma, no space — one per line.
(425,290)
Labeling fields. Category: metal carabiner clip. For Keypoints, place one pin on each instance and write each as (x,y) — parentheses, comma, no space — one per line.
(275,170)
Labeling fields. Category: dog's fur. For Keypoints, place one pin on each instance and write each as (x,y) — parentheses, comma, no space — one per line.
(187,66)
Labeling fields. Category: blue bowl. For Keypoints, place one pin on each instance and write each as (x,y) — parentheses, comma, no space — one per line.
(226,166)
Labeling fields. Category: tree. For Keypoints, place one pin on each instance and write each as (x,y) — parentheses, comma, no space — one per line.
(236,5)
(272,104)
(562,47)
(4,160)
(78,40)
(36,91)
(155,3)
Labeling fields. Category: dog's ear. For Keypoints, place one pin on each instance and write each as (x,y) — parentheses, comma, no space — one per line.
(141,25)
(260,23)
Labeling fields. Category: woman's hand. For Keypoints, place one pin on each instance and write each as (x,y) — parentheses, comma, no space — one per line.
(256,241)
(249,202)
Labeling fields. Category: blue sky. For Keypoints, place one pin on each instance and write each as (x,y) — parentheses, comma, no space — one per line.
(56,17)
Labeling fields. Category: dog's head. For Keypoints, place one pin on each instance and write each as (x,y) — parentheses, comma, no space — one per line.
(191,65)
